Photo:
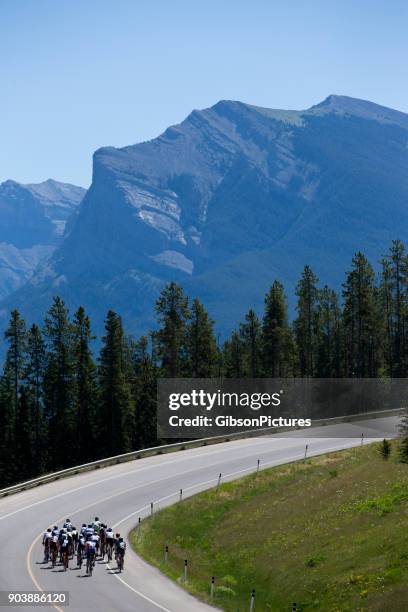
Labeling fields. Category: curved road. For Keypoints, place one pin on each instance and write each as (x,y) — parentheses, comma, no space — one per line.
(121,493)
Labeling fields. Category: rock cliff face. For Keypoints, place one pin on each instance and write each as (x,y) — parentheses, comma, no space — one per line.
(32,224)
(227,201)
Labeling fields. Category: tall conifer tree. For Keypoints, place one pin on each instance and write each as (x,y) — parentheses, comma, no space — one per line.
(277,343)
(305,324)
(116,414)
(171,340)
(202,347)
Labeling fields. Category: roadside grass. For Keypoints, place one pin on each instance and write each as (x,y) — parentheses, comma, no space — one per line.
(330,533)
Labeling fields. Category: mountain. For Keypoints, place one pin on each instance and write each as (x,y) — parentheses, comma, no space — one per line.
(32,223)
(227,201)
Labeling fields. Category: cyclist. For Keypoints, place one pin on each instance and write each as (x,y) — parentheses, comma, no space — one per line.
(54,545)
(102,543)
(115,542)
(46,543)
(61,537)
(83,530)
(110,539)
(80,550)
(65,550)
(67,523)
(70,542)
(95,538)
(90,555)
(89,531)
(120,553)
(75,538)
(96,524)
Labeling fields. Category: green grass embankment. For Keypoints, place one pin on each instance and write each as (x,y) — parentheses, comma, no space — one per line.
(329,534)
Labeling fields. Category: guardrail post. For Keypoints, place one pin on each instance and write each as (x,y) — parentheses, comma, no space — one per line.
(166,554)
(252,604)
(181,494)
(307,446)
(151,508)
(294,608)
(212,586)
(362,439)
(257,467)
(139,525)
(185,570)
(219,482)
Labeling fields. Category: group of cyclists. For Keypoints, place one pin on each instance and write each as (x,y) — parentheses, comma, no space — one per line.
(88,543)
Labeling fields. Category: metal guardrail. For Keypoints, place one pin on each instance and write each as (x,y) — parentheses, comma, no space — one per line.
(178,446)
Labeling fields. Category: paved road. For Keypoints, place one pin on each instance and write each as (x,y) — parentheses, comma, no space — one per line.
(122,493)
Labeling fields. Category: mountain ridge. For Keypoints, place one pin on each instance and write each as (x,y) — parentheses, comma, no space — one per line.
(225,202)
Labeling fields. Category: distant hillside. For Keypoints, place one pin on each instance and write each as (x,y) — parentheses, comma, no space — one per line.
(227,201)
(32,224)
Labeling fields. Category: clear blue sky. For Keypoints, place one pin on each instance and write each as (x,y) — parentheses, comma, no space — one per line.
(77,75)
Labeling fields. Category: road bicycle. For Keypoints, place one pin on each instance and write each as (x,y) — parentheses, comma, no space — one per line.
(90,565)
(121,562)
(65,560)
(53,557)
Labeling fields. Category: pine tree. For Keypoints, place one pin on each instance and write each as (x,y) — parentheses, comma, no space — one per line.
(277,342)
(233,356)
(201,343)
(394,288)
(362,321)
(116,414)
(59,386)
(171,338)
(8,474)
(23,437)
(250,333)
(145,396)
(386,304)
(403,450)
(305,325)
(15,336)
(34,383)
(329,335)
(85,392)
(385,449)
